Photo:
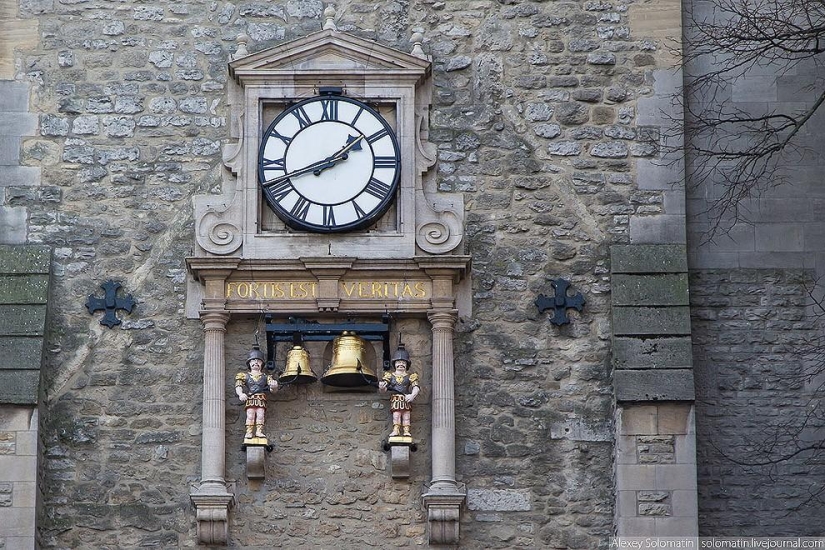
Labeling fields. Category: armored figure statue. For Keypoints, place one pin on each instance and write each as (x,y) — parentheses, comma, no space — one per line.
(251,388)
(404,388)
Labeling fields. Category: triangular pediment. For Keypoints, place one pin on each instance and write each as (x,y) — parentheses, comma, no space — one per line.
(328,52)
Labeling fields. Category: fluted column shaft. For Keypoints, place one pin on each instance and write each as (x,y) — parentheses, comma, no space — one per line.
(213,455)
(443,400)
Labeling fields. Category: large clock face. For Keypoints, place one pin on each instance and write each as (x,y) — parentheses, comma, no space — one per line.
(328,164)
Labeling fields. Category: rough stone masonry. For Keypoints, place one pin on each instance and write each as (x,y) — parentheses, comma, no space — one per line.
(536,117)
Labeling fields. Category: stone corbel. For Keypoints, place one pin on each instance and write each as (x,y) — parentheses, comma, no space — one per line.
(439,216)
(212,515)
(218,218)
(443,515)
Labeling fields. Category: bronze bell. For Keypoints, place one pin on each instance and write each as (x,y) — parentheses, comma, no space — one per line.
(350,366)
(297,369)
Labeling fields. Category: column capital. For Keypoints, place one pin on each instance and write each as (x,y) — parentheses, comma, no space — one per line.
(214,319)
(443,318)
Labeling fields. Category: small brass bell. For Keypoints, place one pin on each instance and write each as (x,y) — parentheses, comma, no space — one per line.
(350,366)
(297,370)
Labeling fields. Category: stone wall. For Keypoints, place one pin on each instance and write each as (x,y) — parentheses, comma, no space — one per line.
(535,117)
(752,333)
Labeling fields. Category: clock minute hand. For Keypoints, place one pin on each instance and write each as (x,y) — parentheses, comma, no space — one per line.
(300,171)
(353,144)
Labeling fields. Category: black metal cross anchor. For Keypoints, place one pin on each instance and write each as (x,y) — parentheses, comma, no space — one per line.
(560,302)
(110,302)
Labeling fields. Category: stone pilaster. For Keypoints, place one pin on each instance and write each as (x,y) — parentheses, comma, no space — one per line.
(212,499)
(444,497)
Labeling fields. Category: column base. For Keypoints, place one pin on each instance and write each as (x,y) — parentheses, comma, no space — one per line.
(443,505)
(212,505)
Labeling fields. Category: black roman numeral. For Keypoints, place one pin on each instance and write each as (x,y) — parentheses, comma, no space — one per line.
(287,140)
(377,189)
(378,135)
(277,164)
(358,114)
(301,208)
(329,216)
(302,116)
(358,211)
(280,190)
(385,162)
(330,109)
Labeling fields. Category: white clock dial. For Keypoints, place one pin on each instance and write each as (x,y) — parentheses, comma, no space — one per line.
(329,164)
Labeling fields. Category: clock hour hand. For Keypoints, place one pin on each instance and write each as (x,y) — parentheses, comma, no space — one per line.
(353,144)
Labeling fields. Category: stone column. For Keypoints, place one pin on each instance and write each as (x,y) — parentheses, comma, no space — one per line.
(212,499)
(444,497)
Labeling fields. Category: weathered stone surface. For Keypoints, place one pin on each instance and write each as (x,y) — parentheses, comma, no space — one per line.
(665,258)
(652,353)
(654,385)
(19,387)
(498,500)
(20,352)
(663,321)
(24,289)
(22,320)
(24,259)
(650,290)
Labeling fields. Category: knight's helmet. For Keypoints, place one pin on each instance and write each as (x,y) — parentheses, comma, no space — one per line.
(255,353)
(401,354)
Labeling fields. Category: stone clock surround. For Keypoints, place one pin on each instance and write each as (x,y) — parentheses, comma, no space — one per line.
(421,244)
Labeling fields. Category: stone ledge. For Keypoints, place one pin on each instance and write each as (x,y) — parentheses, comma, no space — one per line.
(19,387)
(24,289)
(21,320)
(16,259)
(643,321)
(20,352)
(648,258)
(669,289)
(654,385)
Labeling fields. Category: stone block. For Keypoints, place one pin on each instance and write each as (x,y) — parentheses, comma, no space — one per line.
(19,543)
(19,387)
(686,449)
(17,522)
(675,418)
(17,418)
(17,320)
(652,353)
(18,124)
(12,224)
(24,259)
(654,385)
(644,321)
(626,449)
(663,258)
(24,494)
(19,176)
(658,229)
(626,503)
(26,443)
(638,420)
(16,468)
(636,527)
(655,175)
(498,500)
(9,150)
(20,352)
(635,477)
(677,527)
(14,96)
(779,237)
(673,477)
(24,289)
(684,503)
(663,289)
